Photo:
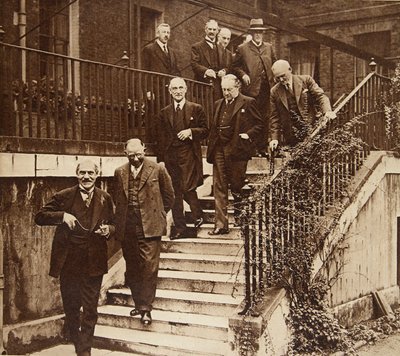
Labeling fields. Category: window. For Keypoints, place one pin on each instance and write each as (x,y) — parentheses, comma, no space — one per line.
(53,34)
(304,58)
(374,42)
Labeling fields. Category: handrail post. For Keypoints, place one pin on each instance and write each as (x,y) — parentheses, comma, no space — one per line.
(372,65)
(245,231)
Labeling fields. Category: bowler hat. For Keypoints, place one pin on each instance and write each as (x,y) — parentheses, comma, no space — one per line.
(257,25)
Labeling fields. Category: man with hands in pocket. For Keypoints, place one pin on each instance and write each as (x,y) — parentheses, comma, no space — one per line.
(181,126)
(235,126)
(83,216)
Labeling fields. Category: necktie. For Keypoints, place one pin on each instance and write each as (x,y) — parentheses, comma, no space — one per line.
(178,108)
(87,196)
(165,49)
(211,43)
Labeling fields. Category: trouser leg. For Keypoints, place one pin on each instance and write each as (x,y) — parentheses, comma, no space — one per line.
(90,292)
(192,199)
(220,188)
(149,250)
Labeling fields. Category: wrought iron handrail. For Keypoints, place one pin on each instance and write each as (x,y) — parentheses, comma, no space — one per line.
(54,96)
(364,103)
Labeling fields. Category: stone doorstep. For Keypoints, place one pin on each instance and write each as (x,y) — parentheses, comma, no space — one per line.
(33,335)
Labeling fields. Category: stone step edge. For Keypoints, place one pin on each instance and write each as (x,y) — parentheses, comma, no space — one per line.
(159,340)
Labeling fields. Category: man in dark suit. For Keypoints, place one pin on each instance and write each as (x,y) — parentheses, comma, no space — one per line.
(159,56)
(143,195)
(181,127)
(296,103)
(207,59)
(235,126)
(252,64)
(83,215)
(224,37)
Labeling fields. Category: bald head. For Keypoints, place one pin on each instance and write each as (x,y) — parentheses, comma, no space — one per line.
(134,150)
(282,71)
(224,37)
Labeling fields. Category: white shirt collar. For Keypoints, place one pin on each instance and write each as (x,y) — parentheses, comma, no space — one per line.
(257,45)
(89,191)
(181,103)
(212,44)
(161,44)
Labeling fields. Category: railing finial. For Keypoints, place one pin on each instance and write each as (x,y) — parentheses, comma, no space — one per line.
(372,65)
(125,59)
(2,33)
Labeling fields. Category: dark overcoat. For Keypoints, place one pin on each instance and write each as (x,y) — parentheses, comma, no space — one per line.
(194,119)
(246,61)
(245,119)
(155,60)
(52,214)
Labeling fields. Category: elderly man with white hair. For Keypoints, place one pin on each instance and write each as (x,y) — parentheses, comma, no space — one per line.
(296,103)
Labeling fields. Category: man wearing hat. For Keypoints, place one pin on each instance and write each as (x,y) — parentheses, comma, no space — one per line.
(252,64)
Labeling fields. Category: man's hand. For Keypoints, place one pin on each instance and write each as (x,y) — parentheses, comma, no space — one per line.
(70,220)
(184,134)
(273,144)
(103,230)
(244,136)
(221,73)
(210,73)
(329,115)
(246,79)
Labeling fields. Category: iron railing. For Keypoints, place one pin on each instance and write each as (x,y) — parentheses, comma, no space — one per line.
(269,232)
(53,96)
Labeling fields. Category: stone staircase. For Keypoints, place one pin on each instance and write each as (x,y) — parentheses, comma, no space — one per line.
(201,284)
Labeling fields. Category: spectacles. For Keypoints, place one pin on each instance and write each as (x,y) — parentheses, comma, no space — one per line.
(135,155)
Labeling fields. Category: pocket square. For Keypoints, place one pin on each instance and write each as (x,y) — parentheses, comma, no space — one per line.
(243,110)
(191,118)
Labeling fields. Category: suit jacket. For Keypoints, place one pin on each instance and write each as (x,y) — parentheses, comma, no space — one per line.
(245,119)
(201,60)
(195,119)
(246,62)
(310,99)
(52,214)
(155,195)
(155,60)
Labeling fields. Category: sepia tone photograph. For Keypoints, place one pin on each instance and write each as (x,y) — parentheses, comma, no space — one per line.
(189,177)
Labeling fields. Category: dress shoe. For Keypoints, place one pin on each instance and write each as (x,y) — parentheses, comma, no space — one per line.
(198,223)
(219,231)
(146,318)
(135,312)
(177,236)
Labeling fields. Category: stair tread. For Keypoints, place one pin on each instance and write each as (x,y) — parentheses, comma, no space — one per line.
(159,339)
(170,316)
(187,296)
(194,257)
(205,240)
(202,276)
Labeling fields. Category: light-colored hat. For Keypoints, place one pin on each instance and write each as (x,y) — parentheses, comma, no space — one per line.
(257,25)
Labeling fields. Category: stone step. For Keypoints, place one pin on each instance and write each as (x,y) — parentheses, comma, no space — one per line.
(154,343)
(218,246)
(202,232)
(217,283)
(200,262)
(166,322)
(208,202)
(209,216)
(180,301)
